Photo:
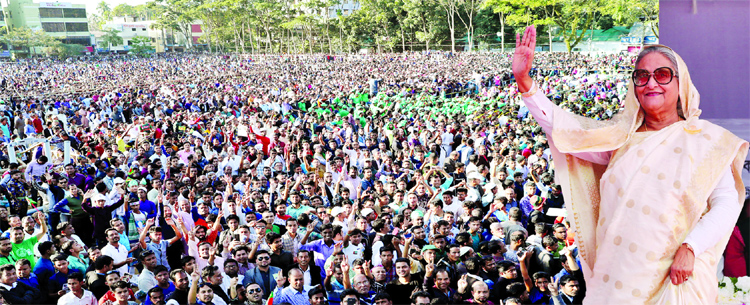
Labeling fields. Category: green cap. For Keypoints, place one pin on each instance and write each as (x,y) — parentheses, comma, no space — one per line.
(429,247)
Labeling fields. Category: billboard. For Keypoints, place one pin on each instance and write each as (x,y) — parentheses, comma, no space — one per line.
(55,4)
(630,40)
(126,26)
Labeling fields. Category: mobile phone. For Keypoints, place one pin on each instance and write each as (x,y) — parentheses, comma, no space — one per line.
(520,252)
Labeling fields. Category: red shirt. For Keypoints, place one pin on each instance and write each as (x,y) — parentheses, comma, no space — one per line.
(38,125)
(210,238)
(110,296)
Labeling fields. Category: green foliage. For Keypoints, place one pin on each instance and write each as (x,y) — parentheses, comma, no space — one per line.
(18,37)
(64,50)
(301,26)
(111,38)
(24,40)
(141,45)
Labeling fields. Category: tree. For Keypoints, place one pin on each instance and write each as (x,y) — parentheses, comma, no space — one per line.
(470,8)
(111,38)
(574,18)
(451,10)
(62,50)
(422,16)
(42,39)
(141,45)
(179,15)
(103,8)
(18,38)
(502,8)
(626,12)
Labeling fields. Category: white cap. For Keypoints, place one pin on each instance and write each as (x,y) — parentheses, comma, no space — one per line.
(475,175)
(367,211)
(99,197)
(336,211)
(119,180)
(490,186)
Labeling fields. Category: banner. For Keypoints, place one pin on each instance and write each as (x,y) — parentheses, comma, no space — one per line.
(56,4)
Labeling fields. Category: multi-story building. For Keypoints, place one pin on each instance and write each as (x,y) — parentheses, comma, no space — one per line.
(2,17)
(62,20)
(162,40)
(346,7)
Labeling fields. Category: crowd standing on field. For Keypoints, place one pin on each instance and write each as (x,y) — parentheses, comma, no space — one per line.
(414,178)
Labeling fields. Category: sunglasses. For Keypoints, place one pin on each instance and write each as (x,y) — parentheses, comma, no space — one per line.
(662,76)
(256,290)
(264,258)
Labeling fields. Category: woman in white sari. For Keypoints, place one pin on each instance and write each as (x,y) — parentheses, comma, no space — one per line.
(653,193)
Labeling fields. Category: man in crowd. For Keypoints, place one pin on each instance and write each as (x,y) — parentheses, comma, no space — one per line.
(77,295)
(14,291)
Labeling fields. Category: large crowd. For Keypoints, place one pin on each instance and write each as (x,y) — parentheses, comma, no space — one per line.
(414,178)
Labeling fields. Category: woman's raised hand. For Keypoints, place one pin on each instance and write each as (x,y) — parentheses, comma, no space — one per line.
(523,58)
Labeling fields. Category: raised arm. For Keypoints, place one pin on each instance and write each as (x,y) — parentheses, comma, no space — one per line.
(523,58)
(177,231)
(42,222)
(540,107)
(193,293)
(524,262)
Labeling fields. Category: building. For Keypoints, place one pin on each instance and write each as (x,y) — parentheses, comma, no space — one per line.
(62,20)
(346,7)
(163,40)
(2,16)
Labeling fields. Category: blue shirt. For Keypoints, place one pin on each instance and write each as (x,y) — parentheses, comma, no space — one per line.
(148,207)
(320,247)
(160,250)
(125,242)
(366,184)
(44,266)
(31,281)
(61,278)
(334,296)
(291,296)
(165,291)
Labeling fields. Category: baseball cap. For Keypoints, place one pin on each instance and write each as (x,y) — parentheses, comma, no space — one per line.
(429,247)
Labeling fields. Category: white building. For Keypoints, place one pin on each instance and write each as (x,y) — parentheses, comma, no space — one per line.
(346,7)
(161,40)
